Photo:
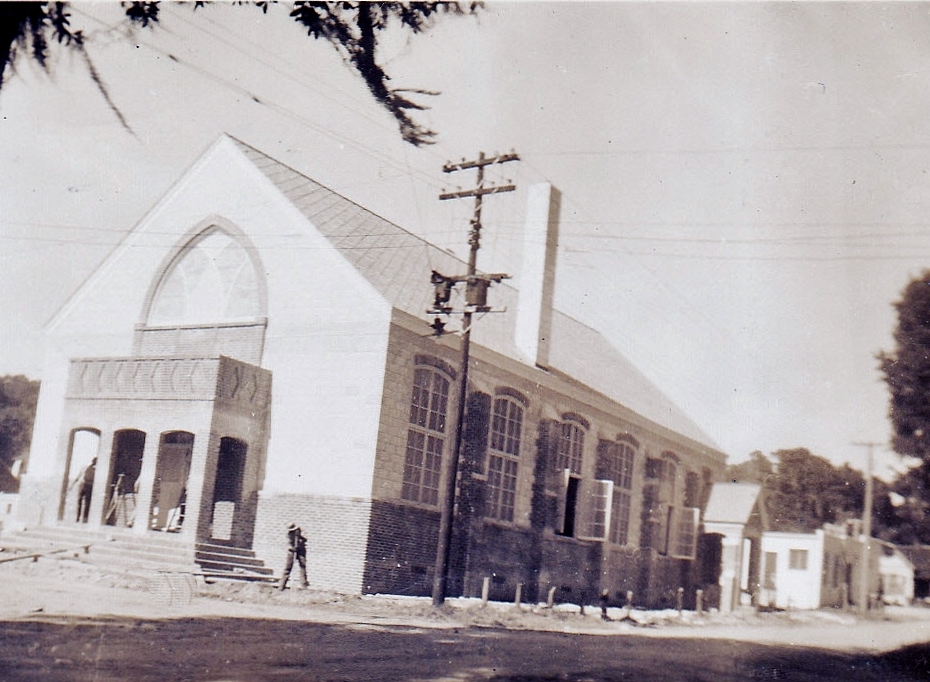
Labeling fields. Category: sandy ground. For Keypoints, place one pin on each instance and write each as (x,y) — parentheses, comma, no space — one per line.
(65,590)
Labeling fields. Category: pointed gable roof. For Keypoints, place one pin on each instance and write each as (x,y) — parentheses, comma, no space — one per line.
(398,263)
(731,502)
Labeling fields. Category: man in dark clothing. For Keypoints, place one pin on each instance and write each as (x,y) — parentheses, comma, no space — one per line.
(296,549)
(86,480)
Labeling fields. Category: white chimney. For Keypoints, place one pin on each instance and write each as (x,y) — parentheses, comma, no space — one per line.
(537,276)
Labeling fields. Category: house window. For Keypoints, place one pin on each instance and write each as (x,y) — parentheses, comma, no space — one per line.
(425,436)
(503,458)
(797,559)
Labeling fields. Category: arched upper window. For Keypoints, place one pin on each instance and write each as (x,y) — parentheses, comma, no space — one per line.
(504,457)
(426,435)
(212,279)
(570,450)
(617,461)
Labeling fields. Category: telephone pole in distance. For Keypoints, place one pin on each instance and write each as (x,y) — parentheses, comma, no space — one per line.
(863,601)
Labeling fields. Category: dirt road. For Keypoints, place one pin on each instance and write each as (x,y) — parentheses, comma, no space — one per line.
(69,622)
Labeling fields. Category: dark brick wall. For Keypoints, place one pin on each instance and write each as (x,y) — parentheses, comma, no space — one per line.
(401,550)
(500,552)
(572,567)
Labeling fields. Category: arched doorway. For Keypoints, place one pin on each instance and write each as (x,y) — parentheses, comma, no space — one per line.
(169,490)
(227,488)
(78,480)
(125,467)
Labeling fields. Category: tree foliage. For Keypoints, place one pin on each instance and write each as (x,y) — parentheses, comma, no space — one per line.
(18,396)
(352,28)
(801,491)
(907,371)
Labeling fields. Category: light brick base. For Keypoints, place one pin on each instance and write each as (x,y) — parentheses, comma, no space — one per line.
(336,529)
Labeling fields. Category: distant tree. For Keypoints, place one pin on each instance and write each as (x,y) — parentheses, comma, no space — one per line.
(808,491)
(909,513)
(907,372)
(754,470)
(352,28)
(18,396)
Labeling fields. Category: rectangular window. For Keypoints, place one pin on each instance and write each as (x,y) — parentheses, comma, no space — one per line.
(502,486)
(503,458)
(797,559)
(620,517)
(684,542)
(595,509)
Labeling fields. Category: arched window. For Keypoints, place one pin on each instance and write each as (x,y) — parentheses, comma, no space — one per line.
(569,458)
(429,403)
(504,457)
(619,459)
(213,279)
(570,448)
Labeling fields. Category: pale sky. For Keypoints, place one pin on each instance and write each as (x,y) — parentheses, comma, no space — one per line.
(745,186)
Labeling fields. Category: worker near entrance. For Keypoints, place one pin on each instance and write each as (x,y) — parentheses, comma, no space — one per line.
(296,549)
(86,479)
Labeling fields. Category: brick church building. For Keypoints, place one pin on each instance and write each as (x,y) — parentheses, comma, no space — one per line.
(216,367)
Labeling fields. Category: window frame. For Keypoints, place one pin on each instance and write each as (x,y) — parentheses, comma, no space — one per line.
(425,446)
(620,462)
(505,439)
(798,556)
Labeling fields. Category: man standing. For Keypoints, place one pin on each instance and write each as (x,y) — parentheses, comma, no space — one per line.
(296,549)
(86,480)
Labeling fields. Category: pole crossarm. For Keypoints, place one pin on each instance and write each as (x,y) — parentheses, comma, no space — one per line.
(480,162)
(480,191)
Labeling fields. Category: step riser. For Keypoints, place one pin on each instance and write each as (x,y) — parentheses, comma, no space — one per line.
(121,548)
(226,559)
(228,568)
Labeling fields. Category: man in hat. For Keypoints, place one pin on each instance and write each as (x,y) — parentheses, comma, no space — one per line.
(86,479)
(296,548)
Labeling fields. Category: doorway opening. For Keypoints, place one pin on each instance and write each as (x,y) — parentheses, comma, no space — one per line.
(78,482)
(169,490)
(125,467)
(227,488)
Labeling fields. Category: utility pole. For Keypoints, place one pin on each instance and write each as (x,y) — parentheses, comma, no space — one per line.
(863,605)
(476,288)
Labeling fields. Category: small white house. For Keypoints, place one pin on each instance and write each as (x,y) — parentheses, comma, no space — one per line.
(813,570)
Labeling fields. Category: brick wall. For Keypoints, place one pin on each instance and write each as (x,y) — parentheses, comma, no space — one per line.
(527,551)
(336,530)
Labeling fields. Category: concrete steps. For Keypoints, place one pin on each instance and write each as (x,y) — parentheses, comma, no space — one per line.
(119,549)
(114,549)
(221,562)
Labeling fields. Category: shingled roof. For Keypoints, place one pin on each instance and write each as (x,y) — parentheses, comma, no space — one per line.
(398,263)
